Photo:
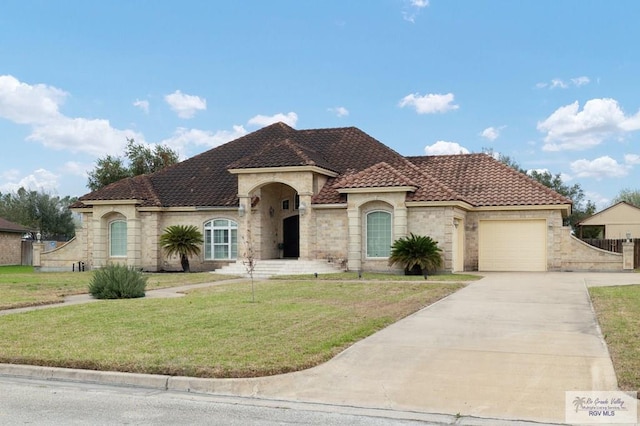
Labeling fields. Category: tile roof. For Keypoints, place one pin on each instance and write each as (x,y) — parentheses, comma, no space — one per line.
(379,175)
(359,160)
(6,226)
(484,181)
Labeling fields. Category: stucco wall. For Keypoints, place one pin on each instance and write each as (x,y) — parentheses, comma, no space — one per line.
(10,248)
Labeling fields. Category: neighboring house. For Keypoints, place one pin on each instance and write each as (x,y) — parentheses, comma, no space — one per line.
(617,222)
(11,242)
(335,195)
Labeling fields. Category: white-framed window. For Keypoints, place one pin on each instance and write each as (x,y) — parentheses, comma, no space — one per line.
(118,238)
(220,239)
(378,234)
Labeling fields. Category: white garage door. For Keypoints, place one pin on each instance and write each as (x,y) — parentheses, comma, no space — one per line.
(512,245)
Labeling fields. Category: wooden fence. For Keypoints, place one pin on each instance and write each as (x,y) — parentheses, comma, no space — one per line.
(616,247)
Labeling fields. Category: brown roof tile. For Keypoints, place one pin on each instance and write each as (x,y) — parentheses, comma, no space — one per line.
(484,181)
(377,176)
(359,160)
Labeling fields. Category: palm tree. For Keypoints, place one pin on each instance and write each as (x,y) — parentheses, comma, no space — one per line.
(417,254)
(183,240)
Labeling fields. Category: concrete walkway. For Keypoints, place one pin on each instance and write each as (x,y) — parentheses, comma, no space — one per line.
(505,347)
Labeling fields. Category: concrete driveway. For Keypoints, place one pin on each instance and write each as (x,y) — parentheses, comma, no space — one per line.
(505,347)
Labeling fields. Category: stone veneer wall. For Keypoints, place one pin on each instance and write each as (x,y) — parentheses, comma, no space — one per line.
(332,237)
(576,255)
(153,253)
(437,223)
(554,233)
(10,248)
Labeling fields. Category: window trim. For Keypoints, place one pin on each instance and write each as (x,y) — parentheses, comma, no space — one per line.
(366,233)
(111,241)
(209,244)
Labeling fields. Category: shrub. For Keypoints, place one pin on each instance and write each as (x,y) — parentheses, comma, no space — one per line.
(117,282)
(416,253)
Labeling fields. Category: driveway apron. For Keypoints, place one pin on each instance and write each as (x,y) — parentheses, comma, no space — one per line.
(505,347)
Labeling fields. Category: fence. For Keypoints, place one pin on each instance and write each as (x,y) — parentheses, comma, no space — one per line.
(616,247)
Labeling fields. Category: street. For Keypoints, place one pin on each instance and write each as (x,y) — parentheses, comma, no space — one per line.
(37,402)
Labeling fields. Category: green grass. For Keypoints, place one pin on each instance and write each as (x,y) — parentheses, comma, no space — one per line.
(378,276)
(21,286)
(216,331)
(618,311)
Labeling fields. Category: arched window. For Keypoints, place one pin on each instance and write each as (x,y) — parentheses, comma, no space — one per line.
(378,234)
(118,238)
(220,239)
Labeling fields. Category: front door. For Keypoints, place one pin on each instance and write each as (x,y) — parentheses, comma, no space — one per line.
(291,237)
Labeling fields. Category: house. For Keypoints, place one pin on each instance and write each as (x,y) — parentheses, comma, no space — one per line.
(329,195)
(11,242)
(617,222)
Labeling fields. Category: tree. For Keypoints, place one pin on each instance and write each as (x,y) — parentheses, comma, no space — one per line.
(48,214)
(183,240)
(141,158)
(631,196)
(416,253)
(108,170)
(580,209)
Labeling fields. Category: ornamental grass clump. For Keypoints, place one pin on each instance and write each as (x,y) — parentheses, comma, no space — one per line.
(117,282)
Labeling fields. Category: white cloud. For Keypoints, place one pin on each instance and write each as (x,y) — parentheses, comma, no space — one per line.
(29,104)
(143,105)
(492,133)
(557,83)
(430,103)
(445,148)
(632,159)
(264,120)
(602,167)
(183,137)
(339,111)
(580,81)
(412,9)
(599,200)
(185,105)
(38,106)
(38,180)
(77,169)
(95,137)
(568,128)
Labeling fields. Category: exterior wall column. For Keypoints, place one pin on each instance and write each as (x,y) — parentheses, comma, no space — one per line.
(99,244)
(38,248)
(134,243)
(627,255)
(305,226)
(354,224)
(244,225)
(400,225)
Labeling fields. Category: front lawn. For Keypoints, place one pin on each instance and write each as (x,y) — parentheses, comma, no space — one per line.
(21,286)
(216,331)
(618,311)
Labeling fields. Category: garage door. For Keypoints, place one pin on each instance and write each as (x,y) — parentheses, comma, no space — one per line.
(512,245)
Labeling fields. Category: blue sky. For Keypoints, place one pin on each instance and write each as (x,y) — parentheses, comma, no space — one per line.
(553,85)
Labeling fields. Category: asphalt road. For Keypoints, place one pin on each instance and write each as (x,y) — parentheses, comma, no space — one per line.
(36,402)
